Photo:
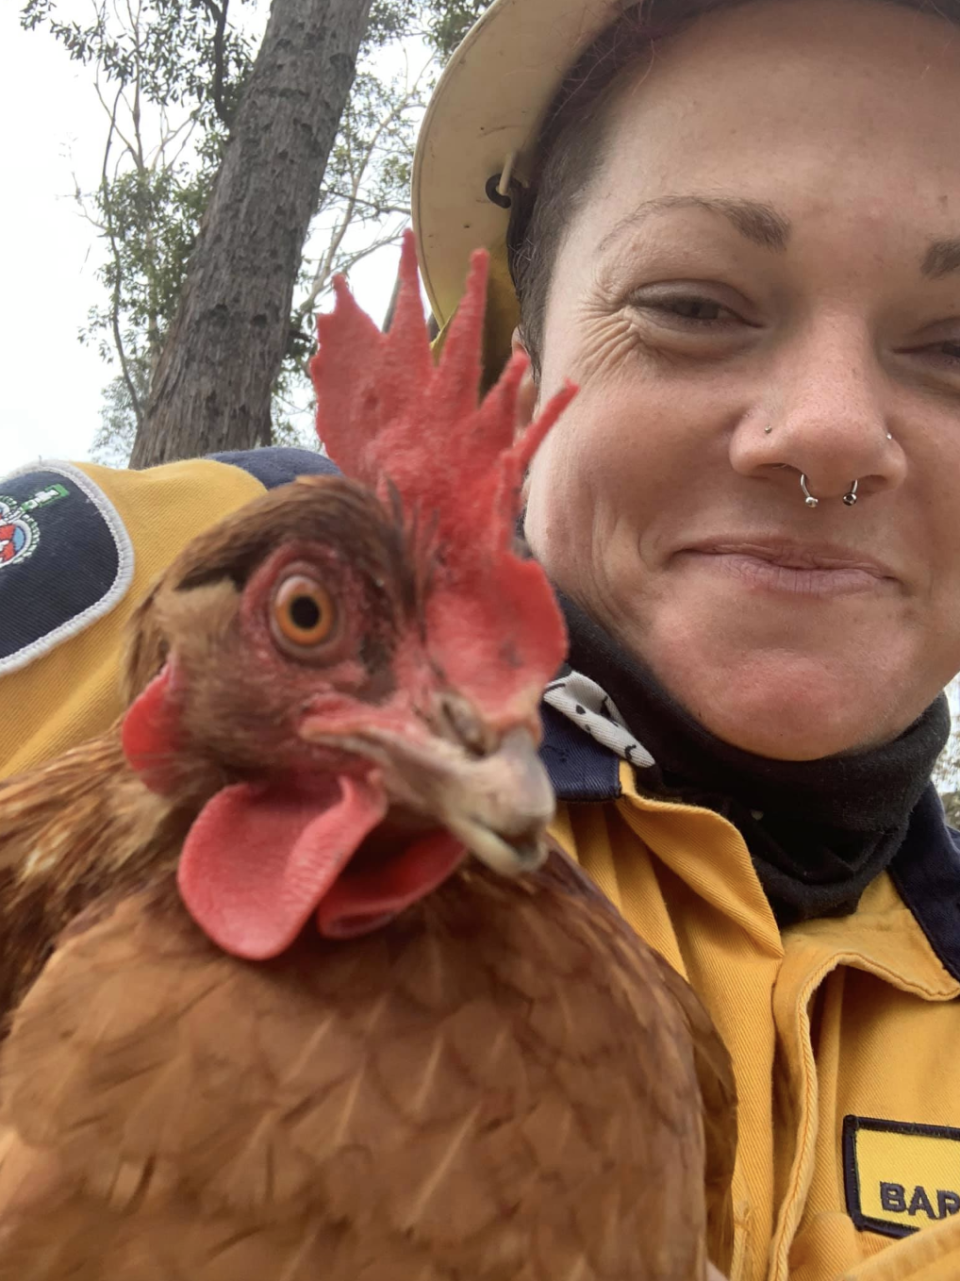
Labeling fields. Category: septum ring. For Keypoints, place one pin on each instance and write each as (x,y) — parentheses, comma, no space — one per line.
(849,498)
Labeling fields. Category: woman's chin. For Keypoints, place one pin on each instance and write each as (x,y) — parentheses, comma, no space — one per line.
(790,739)
(788,707)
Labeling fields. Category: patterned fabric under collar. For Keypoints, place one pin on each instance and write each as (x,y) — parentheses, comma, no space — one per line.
(585,703)
(818,831)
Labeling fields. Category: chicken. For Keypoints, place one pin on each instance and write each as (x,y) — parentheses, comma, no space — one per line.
(295,984)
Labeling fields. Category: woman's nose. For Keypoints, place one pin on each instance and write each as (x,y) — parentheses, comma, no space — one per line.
(825,415)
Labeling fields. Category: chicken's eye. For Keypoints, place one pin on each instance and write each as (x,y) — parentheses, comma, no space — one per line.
(303,613)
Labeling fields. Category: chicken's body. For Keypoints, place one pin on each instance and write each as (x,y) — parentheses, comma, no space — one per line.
(500,1084)
(333,704)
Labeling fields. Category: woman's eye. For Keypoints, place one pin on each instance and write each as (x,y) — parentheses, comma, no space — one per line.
(684,310)
(942,356)
(950,349)
(694,308)
(302,613)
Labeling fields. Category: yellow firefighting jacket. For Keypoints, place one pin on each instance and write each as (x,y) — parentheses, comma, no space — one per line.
(844,1032)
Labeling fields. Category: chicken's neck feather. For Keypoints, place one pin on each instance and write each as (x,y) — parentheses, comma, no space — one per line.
(82,827)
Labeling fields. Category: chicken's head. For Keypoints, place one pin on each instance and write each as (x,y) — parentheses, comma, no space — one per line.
(350,667)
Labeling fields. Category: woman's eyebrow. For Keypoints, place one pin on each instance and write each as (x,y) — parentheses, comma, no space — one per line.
(768,228)
(942,258)
(758,222)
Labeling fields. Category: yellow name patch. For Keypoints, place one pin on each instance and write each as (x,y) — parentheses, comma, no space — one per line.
(899,1176)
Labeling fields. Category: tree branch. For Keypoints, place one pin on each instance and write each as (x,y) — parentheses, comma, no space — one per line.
(370,204)
(118,268)
(219,13)
(135,109)
(111,111)
(168,136)
(344,266)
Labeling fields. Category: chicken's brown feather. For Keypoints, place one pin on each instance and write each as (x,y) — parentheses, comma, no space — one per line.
(71,831)
(718,1096)
(498,1085)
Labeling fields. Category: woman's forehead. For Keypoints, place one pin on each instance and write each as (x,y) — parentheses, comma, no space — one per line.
(771,95)
(853,41)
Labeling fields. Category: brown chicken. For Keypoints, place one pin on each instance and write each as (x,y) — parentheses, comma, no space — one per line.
(280,1004)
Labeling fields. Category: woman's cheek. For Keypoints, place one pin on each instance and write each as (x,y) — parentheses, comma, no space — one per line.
(562,490)
(588,341)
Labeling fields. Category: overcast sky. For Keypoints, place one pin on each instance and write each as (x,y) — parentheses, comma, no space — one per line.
(53,128)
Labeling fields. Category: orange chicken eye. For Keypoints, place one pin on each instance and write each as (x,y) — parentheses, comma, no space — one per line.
(303,613)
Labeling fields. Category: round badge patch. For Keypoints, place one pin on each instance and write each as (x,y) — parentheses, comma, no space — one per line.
(65,559)
(19,533)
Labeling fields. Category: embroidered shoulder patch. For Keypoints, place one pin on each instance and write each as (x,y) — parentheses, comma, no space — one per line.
(65,559)
(899,1176)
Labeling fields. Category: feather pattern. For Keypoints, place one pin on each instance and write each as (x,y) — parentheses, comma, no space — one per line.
(66,839)
(497,1085)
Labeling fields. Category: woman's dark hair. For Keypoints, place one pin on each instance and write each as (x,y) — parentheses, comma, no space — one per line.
(571,147)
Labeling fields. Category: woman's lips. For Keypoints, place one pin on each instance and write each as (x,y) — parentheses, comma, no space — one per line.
(793,569)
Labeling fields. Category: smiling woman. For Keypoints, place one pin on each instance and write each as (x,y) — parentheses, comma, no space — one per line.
(778,305)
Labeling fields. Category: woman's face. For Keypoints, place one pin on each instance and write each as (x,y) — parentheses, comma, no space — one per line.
(773,243)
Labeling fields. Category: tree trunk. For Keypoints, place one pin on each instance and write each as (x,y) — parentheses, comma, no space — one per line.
(215,375)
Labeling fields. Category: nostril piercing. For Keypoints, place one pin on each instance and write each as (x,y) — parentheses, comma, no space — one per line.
(808,498)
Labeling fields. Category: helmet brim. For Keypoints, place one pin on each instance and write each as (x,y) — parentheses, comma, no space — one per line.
(487,108)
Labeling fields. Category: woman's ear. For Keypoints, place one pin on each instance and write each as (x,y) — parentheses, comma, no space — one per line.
(527,392)
(525,491)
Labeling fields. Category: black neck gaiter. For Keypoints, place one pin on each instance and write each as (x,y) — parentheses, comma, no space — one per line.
(818,831)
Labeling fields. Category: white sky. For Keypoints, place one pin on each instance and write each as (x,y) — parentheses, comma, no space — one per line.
(53,128)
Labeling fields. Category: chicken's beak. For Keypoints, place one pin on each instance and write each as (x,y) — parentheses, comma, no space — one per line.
(497,804)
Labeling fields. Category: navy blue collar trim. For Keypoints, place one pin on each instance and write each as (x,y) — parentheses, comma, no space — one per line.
(926,872)
(580,768)
(278,464)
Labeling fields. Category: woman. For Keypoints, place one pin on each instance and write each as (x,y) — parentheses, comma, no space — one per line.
(735,226)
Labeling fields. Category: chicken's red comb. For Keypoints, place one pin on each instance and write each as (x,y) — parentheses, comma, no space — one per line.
(389,416)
